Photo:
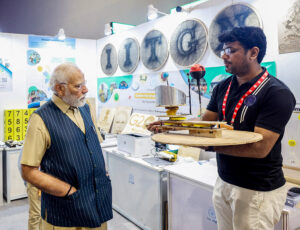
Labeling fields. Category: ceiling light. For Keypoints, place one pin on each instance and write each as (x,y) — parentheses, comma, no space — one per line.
(153,12)
(61,34)
(187,8)
(108,29)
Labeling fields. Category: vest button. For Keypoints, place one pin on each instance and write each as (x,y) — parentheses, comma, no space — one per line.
(97,190)
(95,165)
(91,152)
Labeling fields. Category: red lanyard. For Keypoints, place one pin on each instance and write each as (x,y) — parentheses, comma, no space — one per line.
(239,104)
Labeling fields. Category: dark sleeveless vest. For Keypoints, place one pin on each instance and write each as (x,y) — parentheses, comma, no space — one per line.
(77,159)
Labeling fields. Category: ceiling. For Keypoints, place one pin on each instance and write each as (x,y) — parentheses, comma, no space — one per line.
(79,18)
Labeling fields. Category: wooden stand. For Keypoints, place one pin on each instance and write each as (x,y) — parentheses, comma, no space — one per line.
(196,128)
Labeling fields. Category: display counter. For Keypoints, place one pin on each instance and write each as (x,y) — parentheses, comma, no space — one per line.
(190,203)
(13,184)
(139,189)
(190,196)
(109,143)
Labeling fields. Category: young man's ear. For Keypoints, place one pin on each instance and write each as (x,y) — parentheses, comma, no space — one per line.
(254,53)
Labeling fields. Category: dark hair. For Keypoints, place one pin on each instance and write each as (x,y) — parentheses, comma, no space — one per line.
(248,36)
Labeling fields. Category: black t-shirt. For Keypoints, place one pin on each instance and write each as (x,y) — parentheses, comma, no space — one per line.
(270,108)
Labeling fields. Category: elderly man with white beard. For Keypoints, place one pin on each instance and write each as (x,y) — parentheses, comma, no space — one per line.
(62,140)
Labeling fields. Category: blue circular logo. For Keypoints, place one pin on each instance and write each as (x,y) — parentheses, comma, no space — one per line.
(250,100)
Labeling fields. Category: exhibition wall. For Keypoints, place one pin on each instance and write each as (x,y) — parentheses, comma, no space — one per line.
(136,88)
(26,63)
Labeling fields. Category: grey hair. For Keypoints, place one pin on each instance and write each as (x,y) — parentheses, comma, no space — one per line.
(62,73)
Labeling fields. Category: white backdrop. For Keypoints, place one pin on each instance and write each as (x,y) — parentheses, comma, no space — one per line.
(14,52)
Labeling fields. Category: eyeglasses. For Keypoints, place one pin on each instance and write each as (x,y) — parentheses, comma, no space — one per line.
(227,51)
(77,86)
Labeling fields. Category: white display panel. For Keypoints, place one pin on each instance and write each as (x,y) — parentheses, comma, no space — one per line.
(291,142)
(190,206)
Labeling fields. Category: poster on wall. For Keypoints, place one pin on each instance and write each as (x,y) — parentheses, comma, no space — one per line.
(289,28)
(6,76)
(42,56)
(138,91)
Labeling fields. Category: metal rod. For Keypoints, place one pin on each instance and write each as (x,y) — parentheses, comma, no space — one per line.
(198,83)
(190,100)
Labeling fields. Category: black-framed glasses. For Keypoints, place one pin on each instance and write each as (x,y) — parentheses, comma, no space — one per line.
(76,86)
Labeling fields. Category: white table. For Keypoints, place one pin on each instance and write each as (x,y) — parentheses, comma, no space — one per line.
(190,196)
(13,184)
(139,189)
(190,204)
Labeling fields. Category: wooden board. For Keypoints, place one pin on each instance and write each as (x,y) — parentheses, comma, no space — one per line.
(292,175)
(191,123)
(196,122)
(229,137)
(193,131)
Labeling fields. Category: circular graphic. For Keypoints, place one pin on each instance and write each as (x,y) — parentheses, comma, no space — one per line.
(188,42)
(164,76)
(116,97)
(129,55)
(33,57)
(235,15)
(123,85)
(154,50)
(250,100)
(40,68)
(108,60)
(292,143)
(135,86)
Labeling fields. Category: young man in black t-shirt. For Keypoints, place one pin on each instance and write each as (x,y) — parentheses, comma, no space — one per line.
(250,191)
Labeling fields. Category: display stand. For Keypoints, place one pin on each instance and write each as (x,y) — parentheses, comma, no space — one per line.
(139,189)
(13,184)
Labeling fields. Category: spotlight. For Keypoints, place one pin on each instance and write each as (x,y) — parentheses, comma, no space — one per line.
(61,34)
(108,29)
(153,12)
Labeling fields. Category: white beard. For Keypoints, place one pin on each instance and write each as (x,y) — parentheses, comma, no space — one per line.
(73,100)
